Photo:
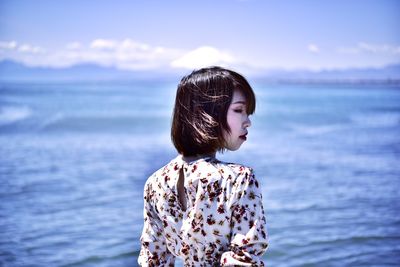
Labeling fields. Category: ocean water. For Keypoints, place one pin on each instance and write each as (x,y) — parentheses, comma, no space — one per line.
(74,158)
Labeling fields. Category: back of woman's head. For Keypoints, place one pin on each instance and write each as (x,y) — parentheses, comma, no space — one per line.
(201,105)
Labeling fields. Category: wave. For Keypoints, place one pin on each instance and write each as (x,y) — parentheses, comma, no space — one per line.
(358,120)
(99,123)
(377,120)
(52,120)
(316,130)
(12,114)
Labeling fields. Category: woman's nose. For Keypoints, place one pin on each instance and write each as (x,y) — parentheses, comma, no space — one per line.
(247,122)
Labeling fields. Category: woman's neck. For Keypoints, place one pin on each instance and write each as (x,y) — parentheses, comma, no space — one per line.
(196,157)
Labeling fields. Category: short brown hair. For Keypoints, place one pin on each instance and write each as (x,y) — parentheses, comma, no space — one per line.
(201,105)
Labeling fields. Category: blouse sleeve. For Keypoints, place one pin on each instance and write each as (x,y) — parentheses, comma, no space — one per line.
(154,250)
(249,238)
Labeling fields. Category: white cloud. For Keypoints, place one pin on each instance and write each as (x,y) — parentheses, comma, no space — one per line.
(27,48)
(313,48)
(362,47)
(129,44)
(13,46)
(383,48)
(103,44)
(124,54)
(8,45)
(201,57)
(131,54)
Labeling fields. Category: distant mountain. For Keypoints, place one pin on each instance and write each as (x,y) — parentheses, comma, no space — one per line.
(390,73)
(14,71)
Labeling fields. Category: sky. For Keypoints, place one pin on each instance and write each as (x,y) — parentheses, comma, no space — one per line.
(254,35)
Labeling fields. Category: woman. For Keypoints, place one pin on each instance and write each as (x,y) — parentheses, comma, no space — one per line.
(207,212)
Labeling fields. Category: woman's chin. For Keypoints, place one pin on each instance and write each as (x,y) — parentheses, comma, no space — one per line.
(233,148)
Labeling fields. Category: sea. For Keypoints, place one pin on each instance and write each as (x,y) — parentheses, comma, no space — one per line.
(74,157)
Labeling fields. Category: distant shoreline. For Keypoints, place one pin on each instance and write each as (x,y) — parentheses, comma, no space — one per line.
(395,82)
(367,82)
(15,72)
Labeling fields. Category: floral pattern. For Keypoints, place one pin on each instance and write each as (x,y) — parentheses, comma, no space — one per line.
(223,224)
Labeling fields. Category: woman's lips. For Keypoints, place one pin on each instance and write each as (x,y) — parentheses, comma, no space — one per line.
(243,137)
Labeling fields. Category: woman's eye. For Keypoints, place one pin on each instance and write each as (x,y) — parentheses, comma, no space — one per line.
(238,110)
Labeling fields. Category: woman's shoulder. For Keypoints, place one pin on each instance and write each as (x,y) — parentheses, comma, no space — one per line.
(238,169)
(162,172)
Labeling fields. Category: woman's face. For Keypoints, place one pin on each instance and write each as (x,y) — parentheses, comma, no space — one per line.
(238,121)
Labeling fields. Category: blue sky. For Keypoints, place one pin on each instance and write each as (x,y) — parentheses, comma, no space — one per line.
(254,35)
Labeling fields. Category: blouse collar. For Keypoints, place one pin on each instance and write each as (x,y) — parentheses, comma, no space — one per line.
(190,160)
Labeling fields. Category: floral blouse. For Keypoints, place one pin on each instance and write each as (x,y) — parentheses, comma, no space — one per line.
(223,224)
